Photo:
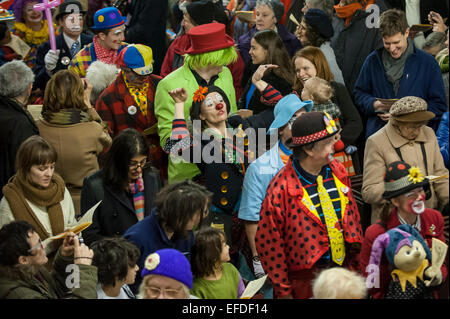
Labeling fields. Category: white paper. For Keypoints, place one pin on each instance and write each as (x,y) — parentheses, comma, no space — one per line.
(253,287)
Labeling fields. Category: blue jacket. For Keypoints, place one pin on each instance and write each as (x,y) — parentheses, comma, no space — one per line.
(149,236)
(421,77)
(442,137)
(257,179)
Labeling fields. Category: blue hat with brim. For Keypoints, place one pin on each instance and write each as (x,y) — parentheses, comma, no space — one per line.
(286,108)
(108,18)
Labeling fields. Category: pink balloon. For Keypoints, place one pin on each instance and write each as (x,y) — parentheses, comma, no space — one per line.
(47,6)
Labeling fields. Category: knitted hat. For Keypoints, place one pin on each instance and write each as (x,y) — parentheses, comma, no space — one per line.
(410,109)
(277,7)
(286,108)
(199,97)
(68,7)
(137,57)
(169,263)
(108,18)
(400,178)
(312,127)
(207,38)
(320,21)
(394,239)
(201,12)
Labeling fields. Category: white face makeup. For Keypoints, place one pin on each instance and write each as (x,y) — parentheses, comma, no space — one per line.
(74,22)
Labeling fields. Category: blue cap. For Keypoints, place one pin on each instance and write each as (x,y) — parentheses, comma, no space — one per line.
(286,108)
(108,18)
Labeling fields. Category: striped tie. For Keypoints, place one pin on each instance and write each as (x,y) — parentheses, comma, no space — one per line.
(74,48)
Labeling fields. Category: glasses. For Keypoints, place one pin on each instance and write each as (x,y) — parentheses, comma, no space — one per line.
(414,193)
(40,244)
(291,122)
(142,165)
(154,292)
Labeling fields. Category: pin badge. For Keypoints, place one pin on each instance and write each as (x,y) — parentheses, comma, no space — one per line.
(65,60)
(132,110)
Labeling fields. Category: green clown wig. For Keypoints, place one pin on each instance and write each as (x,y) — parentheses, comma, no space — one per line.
(214,58)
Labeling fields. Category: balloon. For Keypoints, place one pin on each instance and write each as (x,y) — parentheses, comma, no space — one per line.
(47,6)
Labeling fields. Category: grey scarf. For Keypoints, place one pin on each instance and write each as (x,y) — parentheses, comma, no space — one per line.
(394,67)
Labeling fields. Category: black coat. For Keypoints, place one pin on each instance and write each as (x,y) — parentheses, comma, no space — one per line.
(16,125)
(439,6)
(42,76)
(116,212)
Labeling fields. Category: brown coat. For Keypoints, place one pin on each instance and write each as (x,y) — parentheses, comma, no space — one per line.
(77,146)
(380,152)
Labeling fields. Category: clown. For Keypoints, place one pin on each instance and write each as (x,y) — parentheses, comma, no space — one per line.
(405,189)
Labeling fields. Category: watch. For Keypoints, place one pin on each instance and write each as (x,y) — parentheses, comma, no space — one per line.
(255,258)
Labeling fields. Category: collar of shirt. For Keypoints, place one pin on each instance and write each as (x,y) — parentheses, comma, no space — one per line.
(69,41)
(307,177)
(416,224)
(201,81)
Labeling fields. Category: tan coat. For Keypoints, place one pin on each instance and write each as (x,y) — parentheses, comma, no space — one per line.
(380,152)
(77,146)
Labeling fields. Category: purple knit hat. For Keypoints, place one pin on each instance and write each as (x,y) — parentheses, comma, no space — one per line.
(18,5)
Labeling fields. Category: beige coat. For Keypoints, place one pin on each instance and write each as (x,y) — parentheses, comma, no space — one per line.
(77,146)
(380,152)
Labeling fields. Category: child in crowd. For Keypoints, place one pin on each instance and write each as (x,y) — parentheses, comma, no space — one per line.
(214,276)
(116,260)
(320,92)
(6,52)
(339,283)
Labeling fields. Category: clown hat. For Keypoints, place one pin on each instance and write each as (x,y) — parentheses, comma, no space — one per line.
(207,38)
(108,18)
(137,57)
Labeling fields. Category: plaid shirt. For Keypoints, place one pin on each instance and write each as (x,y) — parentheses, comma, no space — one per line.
(112,106)
(81,62)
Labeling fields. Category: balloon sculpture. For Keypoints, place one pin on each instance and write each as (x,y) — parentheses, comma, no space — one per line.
(47,6)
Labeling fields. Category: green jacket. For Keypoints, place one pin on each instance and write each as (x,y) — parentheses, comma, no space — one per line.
(164,111)
(51,285)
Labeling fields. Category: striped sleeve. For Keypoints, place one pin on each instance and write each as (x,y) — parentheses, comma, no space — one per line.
(270,95)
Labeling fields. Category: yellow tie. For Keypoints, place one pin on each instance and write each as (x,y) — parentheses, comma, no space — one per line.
(336,238)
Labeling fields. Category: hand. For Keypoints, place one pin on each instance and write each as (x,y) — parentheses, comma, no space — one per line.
(82,254)
(384,116)
(244,113)
(413,34)
(436,20)
(179,95)
(87,92)
(435,276)
(259,73)
(258,269)
(51,59)
(380,106)
(67,247)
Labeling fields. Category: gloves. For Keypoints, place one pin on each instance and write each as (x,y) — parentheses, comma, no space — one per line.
(51,59)
(350,149)
(435,276)
(257,268)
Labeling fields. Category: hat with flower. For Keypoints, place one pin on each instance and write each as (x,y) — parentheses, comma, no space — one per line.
(312,127)
(169,263)
(200,95)
(400,178)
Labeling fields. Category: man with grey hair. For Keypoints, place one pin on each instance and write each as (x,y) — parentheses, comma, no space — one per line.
(16,124)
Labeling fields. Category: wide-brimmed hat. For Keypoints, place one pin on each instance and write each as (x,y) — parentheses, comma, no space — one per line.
(137,57)
(108,18)
(207,38)
(312,127)
(410,109)
(400,178)
(68,7)
(286,108)
(170,263)
(320,22)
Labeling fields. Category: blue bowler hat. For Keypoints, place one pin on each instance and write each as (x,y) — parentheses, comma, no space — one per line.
(108,18)
(286,108)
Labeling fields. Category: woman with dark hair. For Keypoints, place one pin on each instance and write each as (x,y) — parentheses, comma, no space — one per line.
(179,208)
(315,29)
(126,185)
(36,193)
(266,48)
(73,127)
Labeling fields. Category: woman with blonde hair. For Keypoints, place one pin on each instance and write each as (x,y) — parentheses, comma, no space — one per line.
(74,128)
(36,193)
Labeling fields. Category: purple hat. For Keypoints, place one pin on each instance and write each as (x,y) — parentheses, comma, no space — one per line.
(169,263)
(18,5)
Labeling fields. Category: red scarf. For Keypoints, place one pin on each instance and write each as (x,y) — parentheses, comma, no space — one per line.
(105,55)
(347,12)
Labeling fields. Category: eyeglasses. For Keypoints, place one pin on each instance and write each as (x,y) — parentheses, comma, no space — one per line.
(154,292)
(143,165)
(414,193)
(40,244)
(291,122)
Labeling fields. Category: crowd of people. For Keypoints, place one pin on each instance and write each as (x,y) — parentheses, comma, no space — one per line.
(215,142)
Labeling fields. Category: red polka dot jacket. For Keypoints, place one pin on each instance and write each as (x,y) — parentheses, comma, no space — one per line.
(290,237)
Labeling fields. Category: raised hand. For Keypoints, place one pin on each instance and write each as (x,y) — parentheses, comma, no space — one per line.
(179,95)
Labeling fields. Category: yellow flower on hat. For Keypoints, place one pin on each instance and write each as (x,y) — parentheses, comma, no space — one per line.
(415,175)
(152,261)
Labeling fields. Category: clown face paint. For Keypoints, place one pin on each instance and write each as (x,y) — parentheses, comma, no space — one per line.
(413,202)
(73,22)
